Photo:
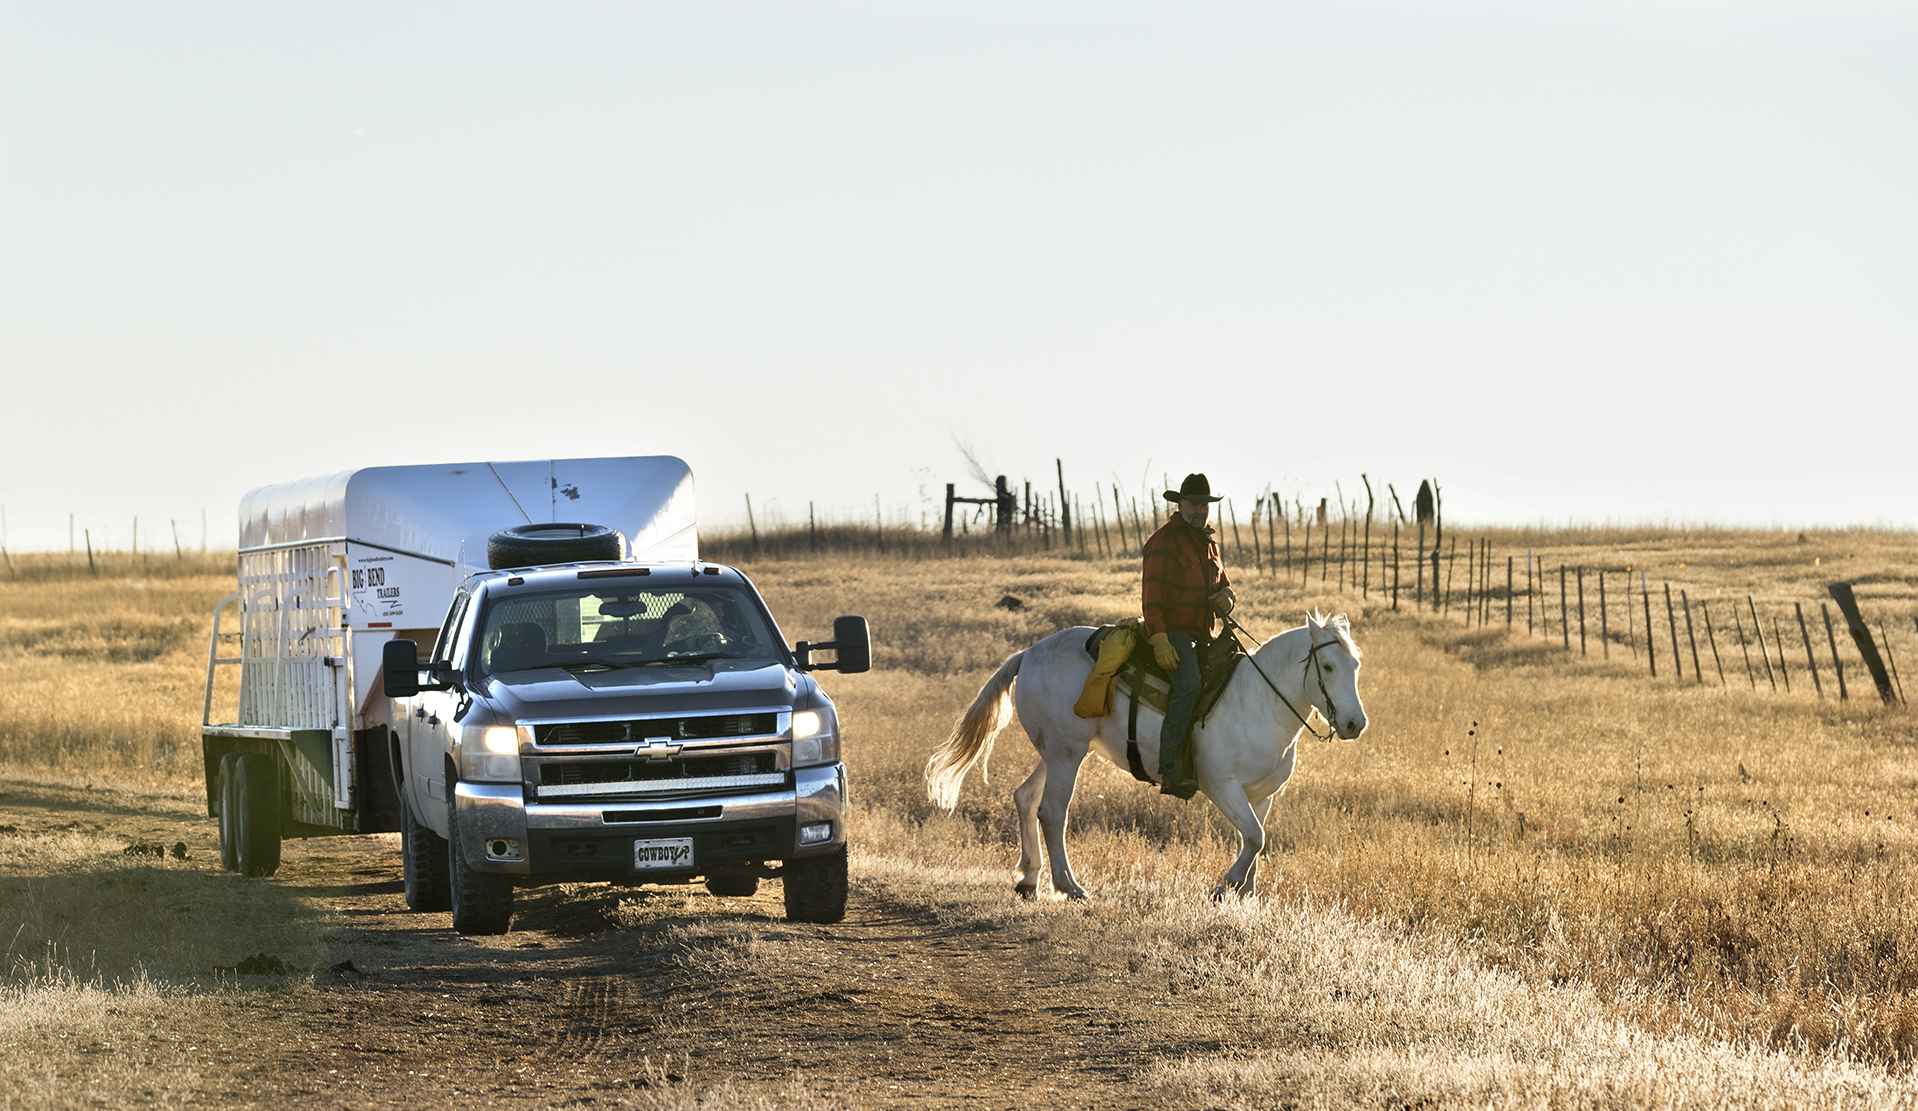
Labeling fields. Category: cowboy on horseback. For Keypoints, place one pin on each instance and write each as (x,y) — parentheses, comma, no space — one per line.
(1184,583)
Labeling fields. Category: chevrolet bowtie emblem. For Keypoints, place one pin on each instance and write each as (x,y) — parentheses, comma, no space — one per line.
(658,750)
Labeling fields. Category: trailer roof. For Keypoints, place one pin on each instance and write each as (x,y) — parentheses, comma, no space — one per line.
(446,511)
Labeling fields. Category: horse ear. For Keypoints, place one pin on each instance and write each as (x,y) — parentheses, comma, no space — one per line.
(1312,620)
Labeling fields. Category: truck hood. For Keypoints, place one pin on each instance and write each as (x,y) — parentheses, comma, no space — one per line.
(643,692)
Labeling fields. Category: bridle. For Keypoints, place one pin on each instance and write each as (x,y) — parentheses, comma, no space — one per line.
(1233,628)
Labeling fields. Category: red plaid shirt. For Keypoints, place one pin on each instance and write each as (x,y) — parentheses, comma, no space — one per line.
(1182,570)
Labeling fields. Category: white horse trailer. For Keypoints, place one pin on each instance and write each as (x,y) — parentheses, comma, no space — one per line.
(333,568)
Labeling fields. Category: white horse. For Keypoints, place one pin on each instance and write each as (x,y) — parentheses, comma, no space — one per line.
(1245,750)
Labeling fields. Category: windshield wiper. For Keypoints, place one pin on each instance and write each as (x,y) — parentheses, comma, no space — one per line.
(693,658)
(593,663)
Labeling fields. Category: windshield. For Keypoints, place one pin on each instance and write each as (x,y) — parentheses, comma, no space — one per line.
(604,626)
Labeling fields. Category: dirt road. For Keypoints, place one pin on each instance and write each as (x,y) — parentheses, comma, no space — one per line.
(610,997)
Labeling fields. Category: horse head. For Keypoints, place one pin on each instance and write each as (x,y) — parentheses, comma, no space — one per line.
(1333,664)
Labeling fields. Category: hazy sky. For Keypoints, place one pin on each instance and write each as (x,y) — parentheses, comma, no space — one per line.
(1586,261)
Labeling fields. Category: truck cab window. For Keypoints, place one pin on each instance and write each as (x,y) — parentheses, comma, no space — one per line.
(624,627)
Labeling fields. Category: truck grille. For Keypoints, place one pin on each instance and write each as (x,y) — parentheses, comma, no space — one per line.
(638,729)
(700,773)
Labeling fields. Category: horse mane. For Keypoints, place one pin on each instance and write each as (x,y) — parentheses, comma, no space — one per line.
(1340,627)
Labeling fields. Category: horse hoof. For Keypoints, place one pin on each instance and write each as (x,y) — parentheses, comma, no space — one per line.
(1077,895)
(1026,891)
(1218,894)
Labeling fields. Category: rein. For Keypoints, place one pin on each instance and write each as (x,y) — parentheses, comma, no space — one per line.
(1233,628)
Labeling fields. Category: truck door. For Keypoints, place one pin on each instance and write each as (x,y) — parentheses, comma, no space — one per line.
(430,715)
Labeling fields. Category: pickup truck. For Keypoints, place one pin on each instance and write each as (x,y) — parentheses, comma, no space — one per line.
(581,714)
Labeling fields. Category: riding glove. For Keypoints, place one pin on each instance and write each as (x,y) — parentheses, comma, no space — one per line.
(1223,600)
(1163,652)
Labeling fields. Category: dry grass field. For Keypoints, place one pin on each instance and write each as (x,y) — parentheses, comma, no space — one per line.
(1542,878)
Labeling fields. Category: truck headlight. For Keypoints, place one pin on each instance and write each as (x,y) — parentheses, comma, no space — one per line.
(815,740)
(492,755)
(805,724)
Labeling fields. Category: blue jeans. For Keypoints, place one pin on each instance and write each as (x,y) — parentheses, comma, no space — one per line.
(1185,696)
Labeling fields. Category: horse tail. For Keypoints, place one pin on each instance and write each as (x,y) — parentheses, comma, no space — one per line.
(971,741)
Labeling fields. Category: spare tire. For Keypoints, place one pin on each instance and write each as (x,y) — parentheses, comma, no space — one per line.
(535,545)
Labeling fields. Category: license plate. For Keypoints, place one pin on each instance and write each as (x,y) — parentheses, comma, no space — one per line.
(663,854)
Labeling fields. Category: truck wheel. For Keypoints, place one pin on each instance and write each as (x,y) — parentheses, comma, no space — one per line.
(229,810)
(733,885)
(256,815)
(482,901)
(533,545)
(423,862)
(816,888)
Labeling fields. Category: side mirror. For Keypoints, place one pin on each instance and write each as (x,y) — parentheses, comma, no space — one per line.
(400,661)
(851,639)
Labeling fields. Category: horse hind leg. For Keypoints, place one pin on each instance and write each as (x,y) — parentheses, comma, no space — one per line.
(1025,798)
(1062,776)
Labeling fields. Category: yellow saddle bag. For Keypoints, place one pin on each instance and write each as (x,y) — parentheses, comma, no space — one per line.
(1095,701)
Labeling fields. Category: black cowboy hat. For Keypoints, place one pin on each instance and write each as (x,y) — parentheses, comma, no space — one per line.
(1194,488)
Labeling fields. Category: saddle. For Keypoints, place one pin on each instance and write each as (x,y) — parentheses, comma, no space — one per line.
(1124,660)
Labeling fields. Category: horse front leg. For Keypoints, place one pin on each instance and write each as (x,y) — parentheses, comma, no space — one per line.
(1250,887)
(1249,821)
(1061,771)
(1025,799)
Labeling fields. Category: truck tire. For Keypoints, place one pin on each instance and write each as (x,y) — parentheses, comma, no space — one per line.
(423,863)
(482,901)
(536,545)
(816,888)
(256,815)
(733,885)
(229,810)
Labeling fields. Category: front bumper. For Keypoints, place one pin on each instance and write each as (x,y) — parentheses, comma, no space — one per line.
(560,842)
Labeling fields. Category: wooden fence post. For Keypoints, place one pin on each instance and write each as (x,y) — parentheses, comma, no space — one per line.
(1485,576)
(1581,610)
(1471,579)
(1065,507)
(1704,607)
(751,524)
(1365,553)
(949,494)
(1811,661)
(1451,563)
(1651,635)
(1763,649)
(1671,620)
(1892,659)
(1783,671)
(1508,594)
(1238,548)
(1271,537)
(1691,638)
(1418,599)
(1604,625)
(1395,566)
(1743,648)
(1837,666)
(1305,558)
(1861,636)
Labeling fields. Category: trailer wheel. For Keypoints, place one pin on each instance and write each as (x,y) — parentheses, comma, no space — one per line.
(229,810)
(256,814)
(816,888)
(423,861)
(482,901)
(533,545)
